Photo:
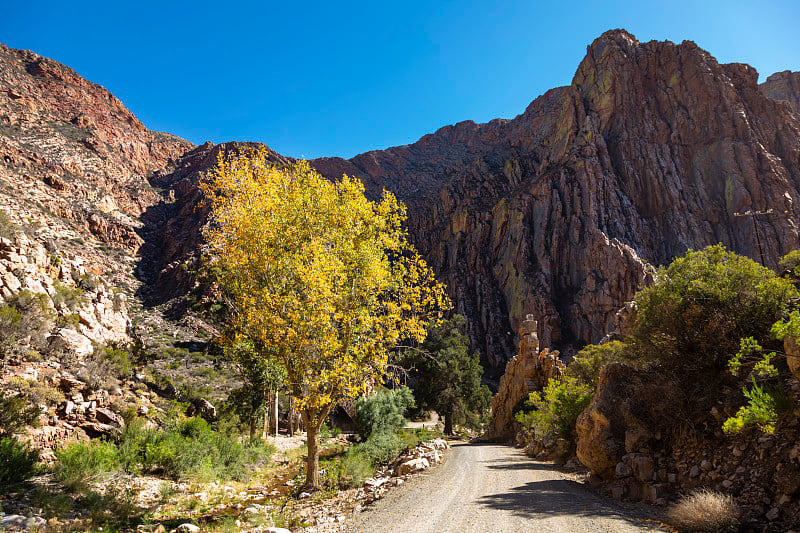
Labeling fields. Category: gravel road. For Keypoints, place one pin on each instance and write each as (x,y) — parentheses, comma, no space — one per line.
(494,488)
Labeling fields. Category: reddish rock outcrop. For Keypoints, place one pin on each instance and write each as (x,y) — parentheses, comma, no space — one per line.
(75,150)
(784,86)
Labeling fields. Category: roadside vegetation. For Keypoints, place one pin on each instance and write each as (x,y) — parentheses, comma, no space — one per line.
(329,287)
(712,316)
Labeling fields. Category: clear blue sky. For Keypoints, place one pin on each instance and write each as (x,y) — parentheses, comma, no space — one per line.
(339,78)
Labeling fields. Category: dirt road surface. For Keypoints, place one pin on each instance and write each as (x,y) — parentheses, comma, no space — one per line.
(495,488)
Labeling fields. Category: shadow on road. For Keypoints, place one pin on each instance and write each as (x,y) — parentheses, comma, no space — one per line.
(505,464)
(552,497)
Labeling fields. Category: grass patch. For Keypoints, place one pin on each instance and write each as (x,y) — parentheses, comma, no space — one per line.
(705,510)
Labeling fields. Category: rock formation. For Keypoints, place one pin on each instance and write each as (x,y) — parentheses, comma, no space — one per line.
(784,86)
(526,372)
(75,150)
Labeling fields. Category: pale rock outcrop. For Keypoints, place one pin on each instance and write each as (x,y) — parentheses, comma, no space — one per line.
(528,371)
(792,355)
(69,340)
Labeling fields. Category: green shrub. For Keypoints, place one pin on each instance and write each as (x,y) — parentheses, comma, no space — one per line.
(557,408)
(360,461)
(383,412)
(379,448)
(36,392)
(97,372)
(17,461)
(791,263)
(88,282)
(81,462)
(692,318)
(66,295)
(119,359)
(24,321)
(15,414)
(189,449)
(585,366)
(185,449)
(351,471)
(7,227)
(765,405)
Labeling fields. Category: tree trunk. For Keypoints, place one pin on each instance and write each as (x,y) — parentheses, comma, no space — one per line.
(312,460)
(448,424)
(253,422)
(265,429)
(291,416)
(276,411)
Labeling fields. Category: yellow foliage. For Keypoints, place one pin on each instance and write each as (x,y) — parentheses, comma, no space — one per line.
(319,274)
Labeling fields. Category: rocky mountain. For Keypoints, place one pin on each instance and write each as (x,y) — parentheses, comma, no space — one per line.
(74,168)
(653,149)
(560,213)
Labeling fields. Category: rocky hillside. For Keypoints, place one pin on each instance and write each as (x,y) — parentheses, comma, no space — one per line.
(559,213)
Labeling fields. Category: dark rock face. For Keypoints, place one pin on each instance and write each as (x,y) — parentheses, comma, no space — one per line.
(655,148)
(172,231)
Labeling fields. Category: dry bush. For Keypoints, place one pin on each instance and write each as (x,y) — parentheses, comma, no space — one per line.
(705,510)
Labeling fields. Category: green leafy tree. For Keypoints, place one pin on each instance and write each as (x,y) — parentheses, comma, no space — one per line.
(261,375)
(446,377)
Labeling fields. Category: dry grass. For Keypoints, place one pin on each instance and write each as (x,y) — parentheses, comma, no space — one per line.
(705,510)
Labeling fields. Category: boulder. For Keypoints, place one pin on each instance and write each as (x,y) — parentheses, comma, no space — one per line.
(792,350)
(601,426)
(413,466)
(643,466)
(107,416)
(69,340)
(96,429)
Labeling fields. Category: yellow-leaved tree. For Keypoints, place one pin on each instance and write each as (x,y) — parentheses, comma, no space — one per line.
(325,279)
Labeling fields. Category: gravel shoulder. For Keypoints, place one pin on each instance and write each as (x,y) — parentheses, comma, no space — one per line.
(491,487)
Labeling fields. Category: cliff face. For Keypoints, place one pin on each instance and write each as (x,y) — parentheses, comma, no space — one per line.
(653,149)
(784,86)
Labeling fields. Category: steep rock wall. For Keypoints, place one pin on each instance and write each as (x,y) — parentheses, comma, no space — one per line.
(653,149)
